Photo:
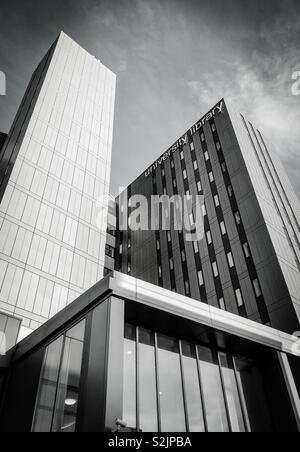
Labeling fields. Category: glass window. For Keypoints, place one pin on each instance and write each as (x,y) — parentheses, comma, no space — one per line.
(163,172)
(200,278)
(199,187)
(253,394)
(129,387)
(223,228)
(170,381)
(238,218)
(257,288)
(206,155)
(181,155)
(69,382)
(213,127)
(246,250)
(183,257)
(192,146)
(192,388)
(158,245)
(204,212)
(195,164)
(169,237)
(215,269)
(184,174)
(187,287)
(47,388)
(211,176)
(147,382)
(202,137)
(218,145)
(217,201)
(224,168)
(196,247)
(110,251)
(230,191)
(171,264)
(212,391)
(159,271)
(172,164)
(209,239)
(230,260)
(222,304)
(239,298)
(232,394)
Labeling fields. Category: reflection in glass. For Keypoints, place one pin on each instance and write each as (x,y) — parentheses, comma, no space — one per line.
(129,387)
(212,391)
(69,381)
(253,393)
(47,388)
(171,393)
(147,382)
(192,388)
(232,394)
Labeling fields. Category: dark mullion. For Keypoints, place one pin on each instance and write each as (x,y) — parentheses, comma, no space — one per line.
(187,423)
(201,390)
(157,384)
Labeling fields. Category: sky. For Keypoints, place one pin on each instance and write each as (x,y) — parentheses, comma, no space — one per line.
(174,59)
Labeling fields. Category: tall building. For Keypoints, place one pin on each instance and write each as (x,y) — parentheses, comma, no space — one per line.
(54,175)
(248,260)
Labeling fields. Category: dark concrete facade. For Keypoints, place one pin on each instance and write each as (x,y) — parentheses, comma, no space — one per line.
(251,214)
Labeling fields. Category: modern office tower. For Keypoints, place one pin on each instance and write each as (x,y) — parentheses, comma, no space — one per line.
(155,360)
(54,174)
(248,259)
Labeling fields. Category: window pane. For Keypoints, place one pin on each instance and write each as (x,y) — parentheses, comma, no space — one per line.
(147,381)
(170,380)
(129,386)
(253,393)
(192,388)
(232,395)
(69,381)
(212,391)
(47,389)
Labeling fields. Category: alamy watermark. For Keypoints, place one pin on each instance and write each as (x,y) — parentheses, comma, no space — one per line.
(159,213)
(2,84)
(296,84)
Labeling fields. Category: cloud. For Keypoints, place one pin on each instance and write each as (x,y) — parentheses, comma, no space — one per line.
(265,97)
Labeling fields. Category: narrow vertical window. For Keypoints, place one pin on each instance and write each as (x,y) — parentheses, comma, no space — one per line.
(222,304)
(230,260)
(223,228)
(239,298)
(208,237)
(257,288)
(215,269)
(217,200)
(246,250)
(200,278)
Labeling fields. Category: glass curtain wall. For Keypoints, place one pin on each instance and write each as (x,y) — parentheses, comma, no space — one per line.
(176,386)
(57,401)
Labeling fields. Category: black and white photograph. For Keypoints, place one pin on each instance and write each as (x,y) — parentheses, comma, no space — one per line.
(149,219)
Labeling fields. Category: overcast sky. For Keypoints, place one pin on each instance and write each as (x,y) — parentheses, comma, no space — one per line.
(174,59)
